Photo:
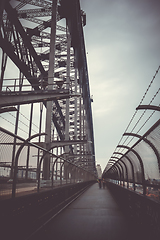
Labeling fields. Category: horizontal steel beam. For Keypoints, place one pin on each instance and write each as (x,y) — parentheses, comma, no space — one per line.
(61,143)
(13,98)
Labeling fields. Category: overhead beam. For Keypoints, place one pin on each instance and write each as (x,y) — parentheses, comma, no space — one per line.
(7,109)
(151,107)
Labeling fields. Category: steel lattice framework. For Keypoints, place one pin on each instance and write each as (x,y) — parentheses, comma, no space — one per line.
(44,40)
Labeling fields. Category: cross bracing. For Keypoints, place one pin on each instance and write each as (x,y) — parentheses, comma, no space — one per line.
(44,41)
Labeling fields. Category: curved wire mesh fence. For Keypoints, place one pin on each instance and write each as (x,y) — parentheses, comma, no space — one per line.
(26,176)
(140,165)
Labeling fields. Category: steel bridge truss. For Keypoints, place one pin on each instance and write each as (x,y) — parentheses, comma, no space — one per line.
(44,40)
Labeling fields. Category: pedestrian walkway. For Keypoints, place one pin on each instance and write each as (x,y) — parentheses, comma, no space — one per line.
(95,215)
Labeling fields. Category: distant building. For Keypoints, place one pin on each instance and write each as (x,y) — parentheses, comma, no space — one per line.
(99,171)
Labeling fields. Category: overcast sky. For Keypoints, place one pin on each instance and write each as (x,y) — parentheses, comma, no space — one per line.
(122,39)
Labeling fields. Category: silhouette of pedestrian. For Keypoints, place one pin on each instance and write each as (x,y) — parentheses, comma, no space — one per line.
(99,181)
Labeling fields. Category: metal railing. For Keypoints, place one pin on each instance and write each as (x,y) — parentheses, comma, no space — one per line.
(138,169)
(13,180)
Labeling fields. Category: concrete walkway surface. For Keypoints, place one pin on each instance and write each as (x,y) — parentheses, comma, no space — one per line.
(95,215)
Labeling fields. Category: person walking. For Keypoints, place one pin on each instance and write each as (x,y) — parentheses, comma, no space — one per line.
(99,181)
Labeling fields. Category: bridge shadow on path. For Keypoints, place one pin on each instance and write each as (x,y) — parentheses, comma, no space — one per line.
(95,215)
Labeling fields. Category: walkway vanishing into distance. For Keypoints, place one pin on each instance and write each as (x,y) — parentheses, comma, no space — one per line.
(94,215)
(47,153)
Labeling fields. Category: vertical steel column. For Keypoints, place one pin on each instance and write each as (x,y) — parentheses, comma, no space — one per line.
(40,128)
(3,67)
(46,162)
(67,100)
(56,161)
(68,82)
(16,127)
(80,125)
(75,105)
(80,111)
(1,10)
(14,144)
(84,133)
(28,150)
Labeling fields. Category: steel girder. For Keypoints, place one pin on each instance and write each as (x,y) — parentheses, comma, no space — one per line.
(26,40)
(19,98)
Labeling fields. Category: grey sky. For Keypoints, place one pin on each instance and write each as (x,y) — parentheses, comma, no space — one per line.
(122,40)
